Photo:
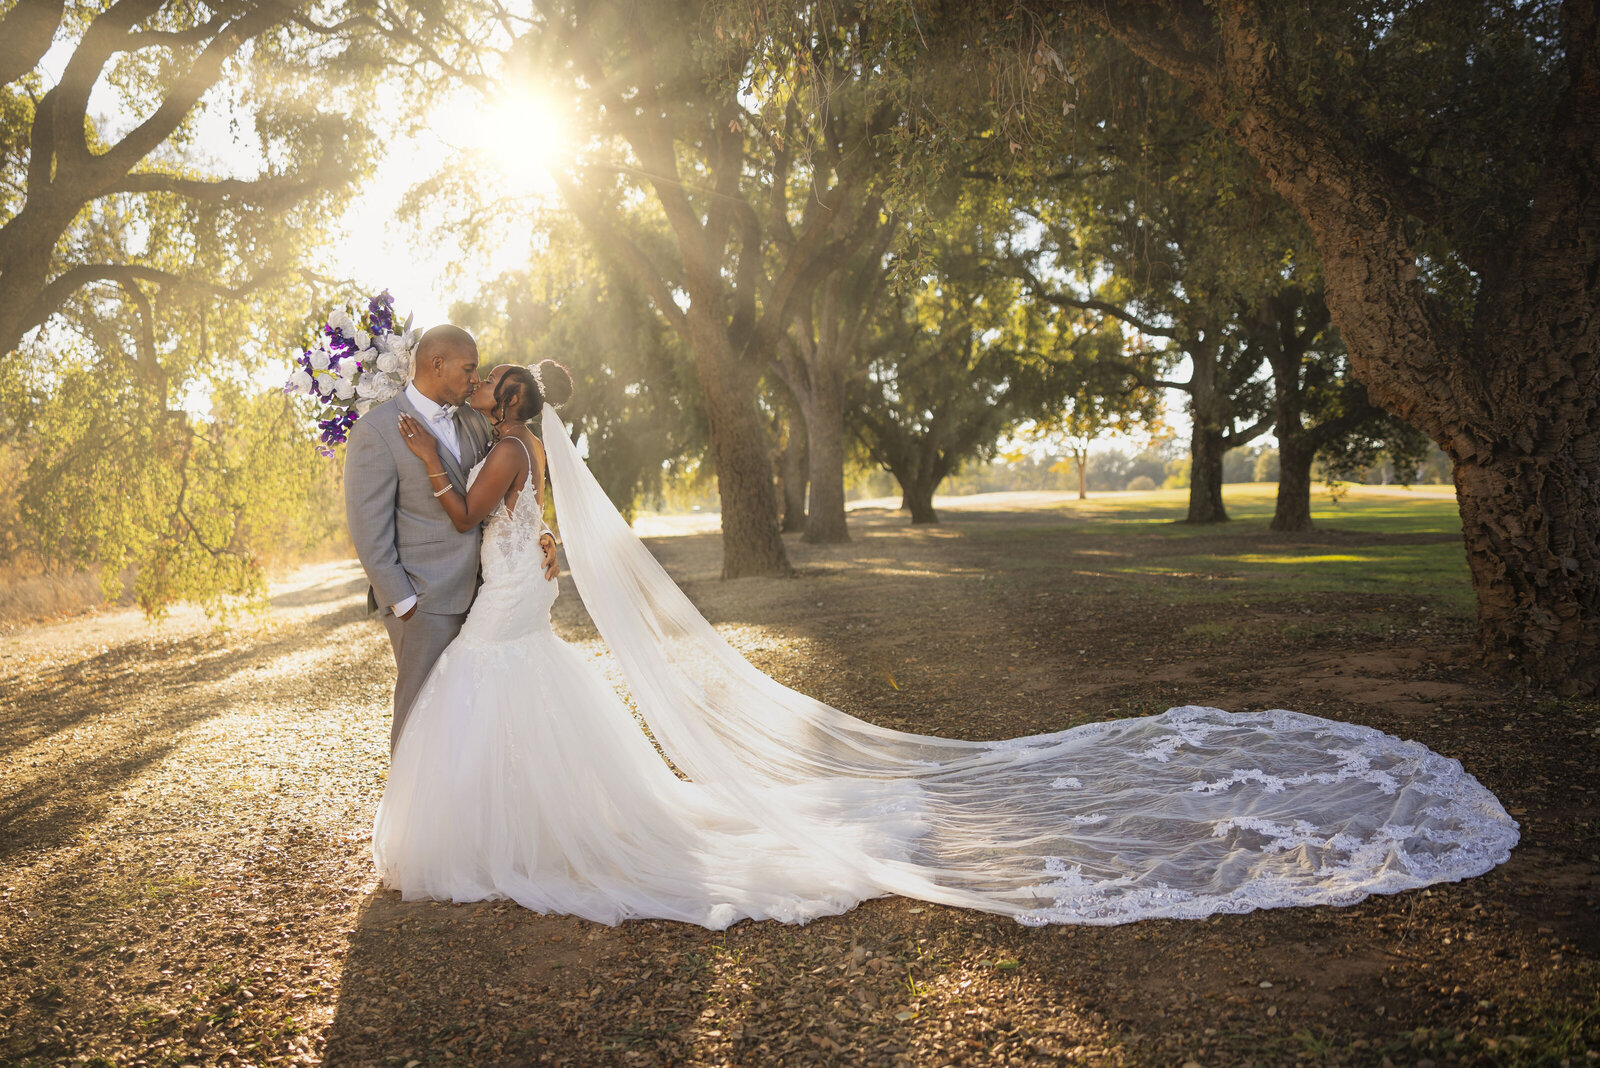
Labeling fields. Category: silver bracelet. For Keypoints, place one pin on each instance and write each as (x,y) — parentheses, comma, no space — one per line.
(441,493)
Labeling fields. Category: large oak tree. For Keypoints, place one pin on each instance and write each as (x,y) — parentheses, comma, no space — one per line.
(1444,155)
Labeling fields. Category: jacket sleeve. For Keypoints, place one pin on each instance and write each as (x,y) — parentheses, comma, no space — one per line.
(371,482)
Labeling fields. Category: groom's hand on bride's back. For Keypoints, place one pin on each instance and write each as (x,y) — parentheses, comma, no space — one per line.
(551,567)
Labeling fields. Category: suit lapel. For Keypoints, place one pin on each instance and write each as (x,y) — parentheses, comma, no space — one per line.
(451,465)
(469,433)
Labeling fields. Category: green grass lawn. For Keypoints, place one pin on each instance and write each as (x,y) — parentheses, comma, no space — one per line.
(1376,509)
(1373,540)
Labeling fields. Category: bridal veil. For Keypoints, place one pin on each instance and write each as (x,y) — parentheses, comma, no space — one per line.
(1189,813)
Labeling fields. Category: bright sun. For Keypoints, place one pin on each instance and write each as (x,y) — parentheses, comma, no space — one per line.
(519,133)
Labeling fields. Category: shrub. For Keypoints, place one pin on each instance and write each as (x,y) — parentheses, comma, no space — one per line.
(1142,484)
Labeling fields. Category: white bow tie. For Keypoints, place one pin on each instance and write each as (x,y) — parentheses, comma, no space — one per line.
(445,413)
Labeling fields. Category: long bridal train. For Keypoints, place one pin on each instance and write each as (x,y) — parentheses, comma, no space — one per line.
(522,775)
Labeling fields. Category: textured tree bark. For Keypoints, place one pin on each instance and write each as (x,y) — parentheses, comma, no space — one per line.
(1206,447)
(1528,518)
(751,543)
(824,411)
(1293,510)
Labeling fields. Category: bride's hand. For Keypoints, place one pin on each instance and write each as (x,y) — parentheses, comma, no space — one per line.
(417,439)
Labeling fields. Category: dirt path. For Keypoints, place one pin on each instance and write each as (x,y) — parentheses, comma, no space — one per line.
(185,814)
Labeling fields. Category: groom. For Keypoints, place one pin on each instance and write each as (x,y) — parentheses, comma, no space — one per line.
(423,573)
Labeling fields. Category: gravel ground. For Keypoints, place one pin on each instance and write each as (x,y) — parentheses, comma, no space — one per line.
(185,835)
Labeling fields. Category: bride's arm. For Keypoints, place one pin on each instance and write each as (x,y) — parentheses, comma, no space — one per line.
(547,537)
(500,472)
(540,467)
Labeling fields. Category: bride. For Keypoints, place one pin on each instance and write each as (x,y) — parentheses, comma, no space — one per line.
(722,795)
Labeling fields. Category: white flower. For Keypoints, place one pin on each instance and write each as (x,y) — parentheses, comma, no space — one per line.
(319,360)
(301,382)
(363,339)
(348,367)
(367,386)
(344,389)
(340,320)
(388,363)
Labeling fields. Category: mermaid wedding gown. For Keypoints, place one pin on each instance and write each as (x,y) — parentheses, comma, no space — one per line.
(522,775)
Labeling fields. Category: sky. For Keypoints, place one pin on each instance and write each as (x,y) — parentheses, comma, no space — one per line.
(424,273)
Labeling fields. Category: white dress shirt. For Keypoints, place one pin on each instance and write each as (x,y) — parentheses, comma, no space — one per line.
(441,422)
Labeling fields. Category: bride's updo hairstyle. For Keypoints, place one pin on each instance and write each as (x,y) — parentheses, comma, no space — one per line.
(552,385)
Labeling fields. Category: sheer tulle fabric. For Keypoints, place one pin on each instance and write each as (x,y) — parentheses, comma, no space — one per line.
(522,775)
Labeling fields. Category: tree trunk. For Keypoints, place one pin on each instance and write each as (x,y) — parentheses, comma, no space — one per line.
(792,478)
(1294,486)
(1296,449)
(1533,546)
(919,500)
(918,479)
(1080,460)
(751,543)
(1205,475)
(824,412)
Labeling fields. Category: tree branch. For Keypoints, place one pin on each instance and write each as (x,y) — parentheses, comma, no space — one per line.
(68,102)
(270,192)
(1234,438)
(187,91)
(128,276)
(627,250)
(1060,300)
(1173,48)
(396,31)
(25,36)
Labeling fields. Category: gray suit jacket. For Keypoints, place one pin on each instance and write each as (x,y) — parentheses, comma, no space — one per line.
(406,543)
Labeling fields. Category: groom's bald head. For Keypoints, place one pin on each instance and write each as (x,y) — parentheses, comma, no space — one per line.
(446,364)
(445,339)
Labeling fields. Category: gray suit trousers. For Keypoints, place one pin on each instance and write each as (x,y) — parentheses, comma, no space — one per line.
(417,643)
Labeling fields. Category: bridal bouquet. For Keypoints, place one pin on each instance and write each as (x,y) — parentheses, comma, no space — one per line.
(353,362)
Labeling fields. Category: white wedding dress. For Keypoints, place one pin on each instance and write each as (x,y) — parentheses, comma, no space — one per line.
(521,774)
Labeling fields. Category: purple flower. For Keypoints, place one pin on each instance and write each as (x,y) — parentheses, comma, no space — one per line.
(378,319)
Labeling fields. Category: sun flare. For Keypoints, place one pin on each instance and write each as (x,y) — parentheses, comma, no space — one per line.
(519,133)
